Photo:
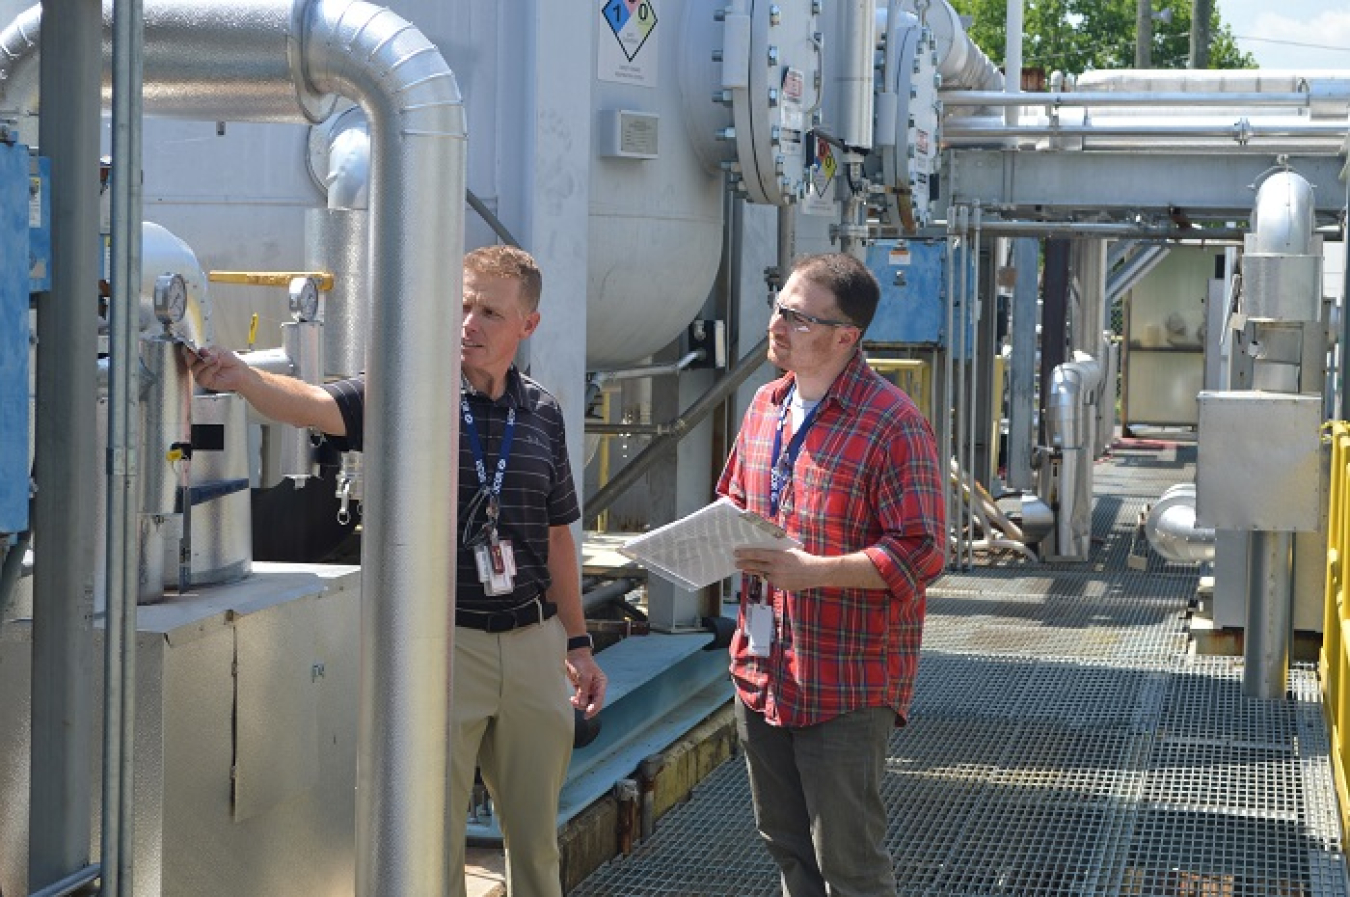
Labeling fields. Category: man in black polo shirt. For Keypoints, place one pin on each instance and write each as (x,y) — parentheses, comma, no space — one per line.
(519,620)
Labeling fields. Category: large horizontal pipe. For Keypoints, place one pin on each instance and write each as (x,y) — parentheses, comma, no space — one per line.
(1292,100)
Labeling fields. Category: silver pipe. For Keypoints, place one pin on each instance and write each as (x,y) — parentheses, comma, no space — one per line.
(973,410)
(418,134)
(965,357)
(1212,236)
(1172,530)
(650,370)
(945,430)
(1243,132)
(961,63)
(165,420)
(301,340)
(490,219)
(1143,99)
(604,595)
(1135,269)
(1265,652)
(70,884)
(856,81)
(123,497)
(257,60)
(1283,218)
(62,698)
(679,428)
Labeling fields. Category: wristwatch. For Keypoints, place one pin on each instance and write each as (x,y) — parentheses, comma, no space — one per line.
(581,641)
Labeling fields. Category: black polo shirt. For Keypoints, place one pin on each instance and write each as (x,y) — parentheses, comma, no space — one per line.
(537,490)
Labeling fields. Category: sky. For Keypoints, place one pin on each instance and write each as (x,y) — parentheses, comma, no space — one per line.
(1297,34)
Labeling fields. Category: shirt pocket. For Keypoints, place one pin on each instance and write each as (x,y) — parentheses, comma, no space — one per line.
(821,497)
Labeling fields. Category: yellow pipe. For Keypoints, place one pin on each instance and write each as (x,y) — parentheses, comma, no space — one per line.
(271,278)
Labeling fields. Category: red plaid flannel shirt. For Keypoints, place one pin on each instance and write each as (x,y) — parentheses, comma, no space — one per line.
(867,478)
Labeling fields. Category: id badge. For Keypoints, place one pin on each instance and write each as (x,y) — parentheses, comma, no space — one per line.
(759,629)
(496,566)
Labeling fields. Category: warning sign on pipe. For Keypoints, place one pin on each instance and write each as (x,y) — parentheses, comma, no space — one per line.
(626,47)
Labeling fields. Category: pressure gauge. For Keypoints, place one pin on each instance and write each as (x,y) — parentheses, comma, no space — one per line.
(170,298)
(304,299)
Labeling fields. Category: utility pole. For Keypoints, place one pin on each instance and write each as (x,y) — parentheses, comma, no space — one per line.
(1200,14)
(1143,31)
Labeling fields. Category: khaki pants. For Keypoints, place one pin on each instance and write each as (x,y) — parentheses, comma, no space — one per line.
(511,712)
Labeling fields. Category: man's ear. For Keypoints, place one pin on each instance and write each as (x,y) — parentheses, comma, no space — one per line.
(530,325)
(849,337)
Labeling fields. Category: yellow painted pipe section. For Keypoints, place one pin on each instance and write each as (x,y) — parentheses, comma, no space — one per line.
(271,278)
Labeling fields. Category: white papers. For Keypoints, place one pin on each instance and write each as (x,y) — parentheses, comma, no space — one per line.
(700,549)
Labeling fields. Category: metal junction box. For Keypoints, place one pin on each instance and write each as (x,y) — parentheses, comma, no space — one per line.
(1259,462)
(914,290)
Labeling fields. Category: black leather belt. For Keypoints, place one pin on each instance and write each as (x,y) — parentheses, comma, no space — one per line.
(528,614)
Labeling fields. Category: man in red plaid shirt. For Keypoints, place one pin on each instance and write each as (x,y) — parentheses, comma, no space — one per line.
(827,642)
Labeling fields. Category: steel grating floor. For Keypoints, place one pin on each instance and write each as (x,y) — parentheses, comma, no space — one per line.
(1063,741)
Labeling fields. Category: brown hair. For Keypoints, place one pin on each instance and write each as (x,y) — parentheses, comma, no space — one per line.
(512,263)
(852,283)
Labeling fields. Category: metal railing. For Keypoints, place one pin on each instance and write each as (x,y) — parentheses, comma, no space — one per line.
(1334,660)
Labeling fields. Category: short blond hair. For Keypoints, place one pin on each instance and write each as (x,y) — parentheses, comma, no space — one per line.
(513,263)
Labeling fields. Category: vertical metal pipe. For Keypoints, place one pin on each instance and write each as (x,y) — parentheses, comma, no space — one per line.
(944,407)
(1269,614)
(63,584)
(418,138)
(303,343)
(856,101)
(1022,365)
(972,412)
(962,360)
(123,419)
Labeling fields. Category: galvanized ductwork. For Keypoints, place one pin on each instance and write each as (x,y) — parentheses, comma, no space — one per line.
(277,60)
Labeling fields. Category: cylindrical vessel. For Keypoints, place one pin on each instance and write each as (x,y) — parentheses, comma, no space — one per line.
(222,525)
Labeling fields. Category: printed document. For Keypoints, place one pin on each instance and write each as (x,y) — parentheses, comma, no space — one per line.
(698,550)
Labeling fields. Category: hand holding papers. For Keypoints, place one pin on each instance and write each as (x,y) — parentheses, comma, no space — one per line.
(701,549)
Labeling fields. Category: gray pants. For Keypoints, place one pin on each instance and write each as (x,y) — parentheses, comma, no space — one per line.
(818,807)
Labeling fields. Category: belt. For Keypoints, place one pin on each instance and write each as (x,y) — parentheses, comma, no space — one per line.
(532,612)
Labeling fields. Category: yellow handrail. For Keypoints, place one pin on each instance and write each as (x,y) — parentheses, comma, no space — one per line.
(1334,662)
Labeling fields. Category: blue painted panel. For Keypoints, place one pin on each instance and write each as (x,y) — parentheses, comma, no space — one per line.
(39,225)
(14,267)
(914,293)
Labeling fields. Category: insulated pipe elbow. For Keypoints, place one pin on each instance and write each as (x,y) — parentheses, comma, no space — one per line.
(1172,531)
(1071,386)
(962,64)
(1283,220)
(236,61)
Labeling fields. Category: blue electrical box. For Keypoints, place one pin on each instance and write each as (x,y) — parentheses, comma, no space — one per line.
(914,294)
(39,224)
(15,268)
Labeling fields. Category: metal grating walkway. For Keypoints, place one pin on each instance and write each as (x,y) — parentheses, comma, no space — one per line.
(1063,742)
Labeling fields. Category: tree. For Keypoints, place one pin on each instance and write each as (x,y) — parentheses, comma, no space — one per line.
(1075,36)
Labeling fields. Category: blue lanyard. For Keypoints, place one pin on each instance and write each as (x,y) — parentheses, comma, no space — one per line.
(783,461)
(494,492)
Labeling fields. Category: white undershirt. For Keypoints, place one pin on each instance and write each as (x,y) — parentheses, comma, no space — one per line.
(799,408)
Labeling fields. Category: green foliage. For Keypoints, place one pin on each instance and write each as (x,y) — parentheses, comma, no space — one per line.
(1075,36)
